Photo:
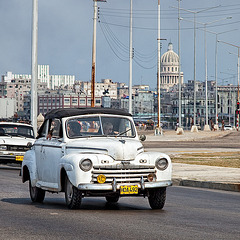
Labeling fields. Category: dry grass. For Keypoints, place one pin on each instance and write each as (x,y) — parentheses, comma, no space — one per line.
(220,159)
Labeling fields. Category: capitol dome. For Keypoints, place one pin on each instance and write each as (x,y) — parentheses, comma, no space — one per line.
(169,69)
(170,57)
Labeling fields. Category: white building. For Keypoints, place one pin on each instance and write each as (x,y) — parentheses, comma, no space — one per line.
(43,74)
(106,86)
(61,80)
(169,69)
(7,107)
(52,81)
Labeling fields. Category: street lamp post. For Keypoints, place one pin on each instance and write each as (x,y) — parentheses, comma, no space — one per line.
(195,12)
(206,127)
(216,74)
(34,67)
(159,129)
(238,47)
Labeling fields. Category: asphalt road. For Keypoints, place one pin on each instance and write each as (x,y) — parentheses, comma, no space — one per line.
(189,213)
(232,140)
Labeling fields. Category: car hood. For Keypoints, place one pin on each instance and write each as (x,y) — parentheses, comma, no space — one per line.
(21,141)
(118,148)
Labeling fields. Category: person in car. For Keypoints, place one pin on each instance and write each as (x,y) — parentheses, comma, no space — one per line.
(73,129)
(108,128)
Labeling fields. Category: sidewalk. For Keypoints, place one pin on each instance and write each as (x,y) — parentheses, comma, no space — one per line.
(221,178)
(169,135)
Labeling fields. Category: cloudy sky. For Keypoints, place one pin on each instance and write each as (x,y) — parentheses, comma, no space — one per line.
(66,30)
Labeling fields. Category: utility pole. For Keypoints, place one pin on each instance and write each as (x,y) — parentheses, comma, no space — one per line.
(158,70)
(179,76)
(95,16)
(34,66)
(130,60)
(94,54)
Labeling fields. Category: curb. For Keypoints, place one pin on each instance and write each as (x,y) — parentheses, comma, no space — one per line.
(235,187)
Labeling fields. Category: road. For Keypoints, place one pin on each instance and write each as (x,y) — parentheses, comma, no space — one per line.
(189,213)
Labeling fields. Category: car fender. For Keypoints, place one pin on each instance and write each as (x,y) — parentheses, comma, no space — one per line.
(29,164)
(151,158)
(75,174)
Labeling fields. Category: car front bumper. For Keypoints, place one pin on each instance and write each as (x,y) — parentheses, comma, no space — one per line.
(7,157)
(114,186)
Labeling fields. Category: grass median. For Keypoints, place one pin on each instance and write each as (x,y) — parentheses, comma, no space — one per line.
(218,159)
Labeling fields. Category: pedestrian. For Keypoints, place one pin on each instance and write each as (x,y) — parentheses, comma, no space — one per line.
(222,125)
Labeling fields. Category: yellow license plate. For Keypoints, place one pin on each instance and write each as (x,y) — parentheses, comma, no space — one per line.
(133,189)
(19,158)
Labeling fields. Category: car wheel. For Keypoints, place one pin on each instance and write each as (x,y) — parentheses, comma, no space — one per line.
(157,198)
(36,194)
(112,199)
(73,196)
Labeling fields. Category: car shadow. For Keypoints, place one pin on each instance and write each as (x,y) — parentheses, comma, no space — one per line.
(87,204)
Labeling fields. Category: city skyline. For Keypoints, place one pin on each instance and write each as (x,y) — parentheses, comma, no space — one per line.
(66,29)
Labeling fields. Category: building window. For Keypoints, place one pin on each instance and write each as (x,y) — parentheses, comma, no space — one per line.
(67,101)
(82,102)
(74,101)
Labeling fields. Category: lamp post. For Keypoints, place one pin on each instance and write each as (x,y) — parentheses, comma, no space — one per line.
(216,74)
(238,47)
(158,129)
(130,60)
(206,127)
(34,66)
(179,75)
(194,13)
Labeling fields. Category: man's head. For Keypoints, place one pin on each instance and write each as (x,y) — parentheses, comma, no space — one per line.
(73,128)
(107,128)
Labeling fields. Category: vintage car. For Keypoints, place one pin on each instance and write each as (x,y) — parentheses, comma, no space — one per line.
(94,152)
(15,140)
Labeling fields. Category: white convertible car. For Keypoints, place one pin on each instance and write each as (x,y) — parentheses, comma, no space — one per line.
(94,152)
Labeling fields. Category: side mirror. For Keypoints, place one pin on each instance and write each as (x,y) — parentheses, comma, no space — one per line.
(142,137)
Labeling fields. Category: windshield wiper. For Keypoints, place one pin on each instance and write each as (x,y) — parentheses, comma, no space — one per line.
(121,133)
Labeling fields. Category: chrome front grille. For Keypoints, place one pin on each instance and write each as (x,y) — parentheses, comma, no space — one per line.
(123,173)
(16,148)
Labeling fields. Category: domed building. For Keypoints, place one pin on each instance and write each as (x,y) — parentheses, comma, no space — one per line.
(169,69)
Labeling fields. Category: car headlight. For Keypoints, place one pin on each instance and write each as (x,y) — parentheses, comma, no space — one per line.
(3,148)
(161,163)
(85,164)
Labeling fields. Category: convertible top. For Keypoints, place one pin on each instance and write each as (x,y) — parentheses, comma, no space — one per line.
(67,112)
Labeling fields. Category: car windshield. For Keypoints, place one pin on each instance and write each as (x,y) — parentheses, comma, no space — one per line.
(99,126)
(16,130)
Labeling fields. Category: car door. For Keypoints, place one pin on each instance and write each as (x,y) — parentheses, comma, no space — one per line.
(49,154)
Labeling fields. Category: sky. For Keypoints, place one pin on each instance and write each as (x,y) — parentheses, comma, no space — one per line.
(65,33)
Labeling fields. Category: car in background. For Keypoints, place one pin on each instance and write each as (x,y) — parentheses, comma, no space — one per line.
(15,140)
(228,127)
(94,152)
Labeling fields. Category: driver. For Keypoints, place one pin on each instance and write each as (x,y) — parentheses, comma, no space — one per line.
(108,128)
